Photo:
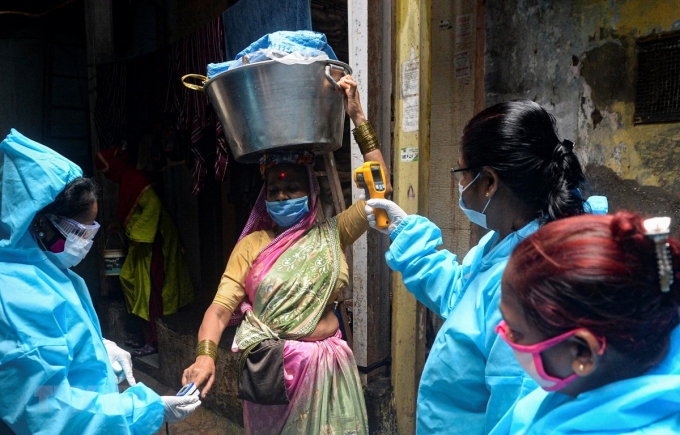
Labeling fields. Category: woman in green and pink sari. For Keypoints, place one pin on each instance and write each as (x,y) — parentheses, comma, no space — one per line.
(297,374)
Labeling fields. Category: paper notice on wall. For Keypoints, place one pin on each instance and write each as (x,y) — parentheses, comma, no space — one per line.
(409,119)
(461,64)
(410,75)
(409,154)
(464,28)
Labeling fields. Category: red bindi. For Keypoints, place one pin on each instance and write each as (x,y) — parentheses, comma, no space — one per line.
(282,175)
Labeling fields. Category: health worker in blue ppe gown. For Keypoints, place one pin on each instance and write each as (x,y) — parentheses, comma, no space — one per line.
(590,308)
(58,374)
(514,174)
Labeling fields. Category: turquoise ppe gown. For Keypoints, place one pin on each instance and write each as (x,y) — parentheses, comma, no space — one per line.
(645,405)
(471,377)
(54,370)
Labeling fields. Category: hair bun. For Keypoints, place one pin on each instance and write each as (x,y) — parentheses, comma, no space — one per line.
(562,151)
(627,229)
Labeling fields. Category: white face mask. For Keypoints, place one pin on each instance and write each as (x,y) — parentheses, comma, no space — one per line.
(75,249)
(475,217)
(77,243)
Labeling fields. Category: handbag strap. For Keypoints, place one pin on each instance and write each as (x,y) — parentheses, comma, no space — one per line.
(108,237)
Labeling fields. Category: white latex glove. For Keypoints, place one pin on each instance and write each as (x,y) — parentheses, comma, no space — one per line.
(394,213)
(121,361)
(177,408)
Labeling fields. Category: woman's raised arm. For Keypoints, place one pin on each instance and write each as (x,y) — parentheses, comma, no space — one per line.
(363,132)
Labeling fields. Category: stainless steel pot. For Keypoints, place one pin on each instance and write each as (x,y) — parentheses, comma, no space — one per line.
(269,106)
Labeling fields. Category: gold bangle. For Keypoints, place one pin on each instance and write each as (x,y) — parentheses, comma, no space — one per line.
(207,347)
(366,138)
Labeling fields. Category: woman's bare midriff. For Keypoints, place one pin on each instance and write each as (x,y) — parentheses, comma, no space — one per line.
(328,325)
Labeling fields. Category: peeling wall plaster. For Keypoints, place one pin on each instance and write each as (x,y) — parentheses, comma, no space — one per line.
(577,59)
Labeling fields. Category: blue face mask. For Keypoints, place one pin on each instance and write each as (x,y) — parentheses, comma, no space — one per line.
(475,217)
(287,213)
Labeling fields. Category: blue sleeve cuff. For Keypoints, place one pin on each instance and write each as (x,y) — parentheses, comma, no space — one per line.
(403,224)
(414,238)
(143,409)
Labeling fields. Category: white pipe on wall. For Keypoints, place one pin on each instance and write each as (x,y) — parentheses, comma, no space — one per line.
(357,12)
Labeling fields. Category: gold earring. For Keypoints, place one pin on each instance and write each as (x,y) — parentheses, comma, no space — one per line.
(581,367)
(487,194)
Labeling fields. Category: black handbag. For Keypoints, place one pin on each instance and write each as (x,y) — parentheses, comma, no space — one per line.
(261,374)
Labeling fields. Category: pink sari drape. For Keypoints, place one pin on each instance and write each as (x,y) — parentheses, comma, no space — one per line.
(325,393)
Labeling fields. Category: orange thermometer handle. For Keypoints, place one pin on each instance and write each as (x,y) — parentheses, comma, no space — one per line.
(371,177)
(381,219)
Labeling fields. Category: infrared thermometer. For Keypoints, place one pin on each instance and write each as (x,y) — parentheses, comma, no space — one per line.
(371,178)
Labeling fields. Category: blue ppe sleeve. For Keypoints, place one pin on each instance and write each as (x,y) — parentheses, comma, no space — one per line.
(53,364)
(433,276)
(43,401)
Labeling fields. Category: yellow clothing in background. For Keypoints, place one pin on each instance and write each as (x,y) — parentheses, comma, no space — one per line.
(148,219)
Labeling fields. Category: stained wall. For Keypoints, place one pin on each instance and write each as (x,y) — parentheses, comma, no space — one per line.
(578,60)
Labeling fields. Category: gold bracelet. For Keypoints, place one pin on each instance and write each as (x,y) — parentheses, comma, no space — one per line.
(366,138)
(207,347)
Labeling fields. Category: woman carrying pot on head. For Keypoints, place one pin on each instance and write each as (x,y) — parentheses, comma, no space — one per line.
(514,174)
(290,267)
(590,307)
(57,373)
(154,276)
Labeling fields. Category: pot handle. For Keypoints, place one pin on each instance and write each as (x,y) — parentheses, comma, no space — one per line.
(327,71)
(193,86)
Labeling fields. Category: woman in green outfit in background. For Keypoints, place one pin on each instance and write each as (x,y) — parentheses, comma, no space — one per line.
(154,277)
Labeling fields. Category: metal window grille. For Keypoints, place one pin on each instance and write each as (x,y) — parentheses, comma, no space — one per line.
(658,84)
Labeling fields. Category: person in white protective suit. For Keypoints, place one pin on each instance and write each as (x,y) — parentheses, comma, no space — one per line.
(514,174)
(58,375)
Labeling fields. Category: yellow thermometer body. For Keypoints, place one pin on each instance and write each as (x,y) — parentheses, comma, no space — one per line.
(371,178)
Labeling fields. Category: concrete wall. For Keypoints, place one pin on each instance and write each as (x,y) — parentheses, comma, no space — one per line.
(577,59)
(452,106)
(455,79)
